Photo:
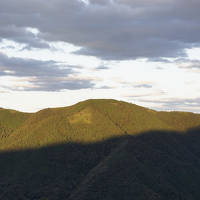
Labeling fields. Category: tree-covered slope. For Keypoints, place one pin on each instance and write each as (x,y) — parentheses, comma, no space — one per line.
(10,120)
(154,166)
(91,121)
(100,149)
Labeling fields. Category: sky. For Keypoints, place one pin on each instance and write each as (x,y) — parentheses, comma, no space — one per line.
(60,52)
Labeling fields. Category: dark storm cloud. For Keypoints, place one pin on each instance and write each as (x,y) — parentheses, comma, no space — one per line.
(43,75)
(117,29)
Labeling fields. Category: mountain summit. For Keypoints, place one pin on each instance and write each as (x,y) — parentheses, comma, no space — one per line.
(99,149)
(86,122)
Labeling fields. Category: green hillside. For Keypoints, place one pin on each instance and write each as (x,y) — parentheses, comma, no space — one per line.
(86,122)
(10,120)
(99,149)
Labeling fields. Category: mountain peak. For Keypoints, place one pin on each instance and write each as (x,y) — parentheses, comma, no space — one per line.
(87,121)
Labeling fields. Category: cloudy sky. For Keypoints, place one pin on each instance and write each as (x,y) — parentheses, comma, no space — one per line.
(60,52)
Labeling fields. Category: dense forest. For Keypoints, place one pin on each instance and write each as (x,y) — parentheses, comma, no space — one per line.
(99,149)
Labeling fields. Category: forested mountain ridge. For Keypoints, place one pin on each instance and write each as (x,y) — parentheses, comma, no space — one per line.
(88,121)
(99,149)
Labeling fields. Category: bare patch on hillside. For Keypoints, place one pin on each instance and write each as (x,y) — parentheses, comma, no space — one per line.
(84,116)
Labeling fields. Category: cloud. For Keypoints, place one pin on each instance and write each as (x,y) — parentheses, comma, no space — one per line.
(56,84)
(111,30)
(160,68)
(22,35)
(187,104)
(143,86)
(146,94)
(137,84)
(43,75)
(102,67)
(189,64)
(104,87)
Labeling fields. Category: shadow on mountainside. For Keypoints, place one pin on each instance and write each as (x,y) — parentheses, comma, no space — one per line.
(154,165)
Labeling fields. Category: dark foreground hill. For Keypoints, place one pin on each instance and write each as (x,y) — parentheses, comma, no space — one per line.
(100,150)
(154,165)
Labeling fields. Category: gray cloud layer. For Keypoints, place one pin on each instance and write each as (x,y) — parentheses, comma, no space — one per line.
(43,75)
(117,29)
(22,35)
(187,104)
(143,86)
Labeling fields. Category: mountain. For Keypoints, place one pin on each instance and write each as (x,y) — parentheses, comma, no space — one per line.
(99,149)
(88,121)
(153,166)
(10,120)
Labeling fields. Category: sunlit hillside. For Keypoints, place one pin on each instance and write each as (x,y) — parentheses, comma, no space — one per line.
(99,149)
(88,121)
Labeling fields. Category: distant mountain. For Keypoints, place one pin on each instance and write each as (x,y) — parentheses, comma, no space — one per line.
(99,150)
(88,121)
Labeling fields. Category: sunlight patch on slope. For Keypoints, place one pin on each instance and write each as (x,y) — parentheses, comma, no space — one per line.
(84,116)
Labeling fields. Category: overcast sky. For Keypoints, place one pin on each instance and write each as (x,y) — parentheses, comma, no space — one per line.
(60,52)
